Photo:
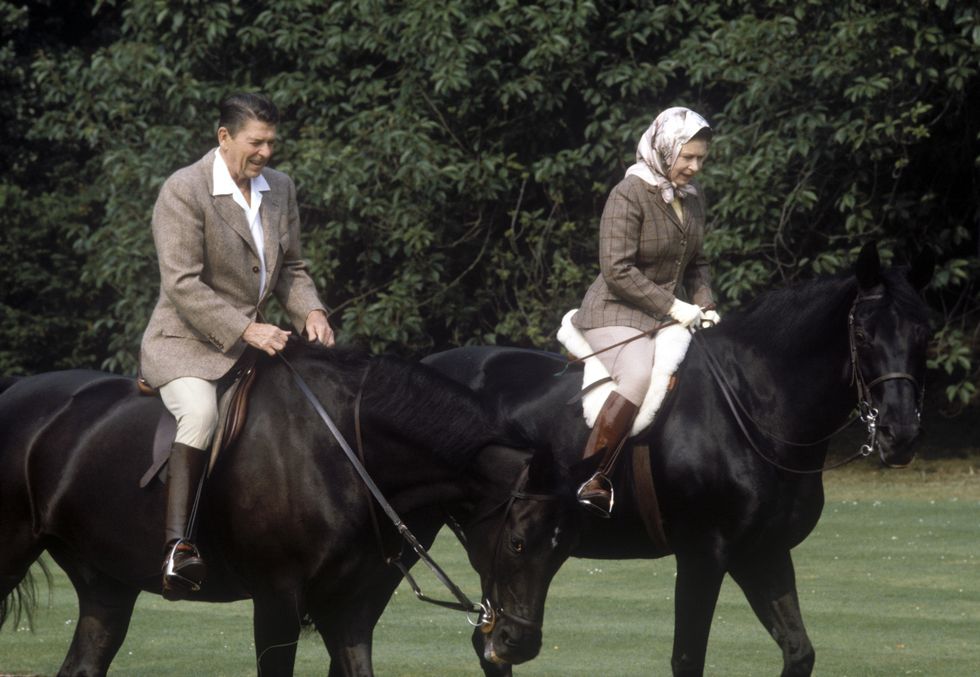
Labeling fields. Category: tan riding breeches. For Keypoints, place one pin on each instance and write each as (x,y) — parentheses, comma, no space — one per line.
(629,364)
(194,403)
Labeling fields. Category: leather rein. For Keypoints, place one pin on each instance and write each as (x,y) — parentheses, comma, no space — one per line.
(867,412)
(462,603)
(489,614)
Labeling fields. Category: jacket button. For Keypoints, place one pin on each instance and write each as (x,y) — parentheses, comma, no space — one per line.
(255,269)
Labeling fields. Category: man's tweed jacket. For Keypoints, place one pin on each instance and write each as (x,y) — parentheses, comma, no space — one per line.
(646,258)
(209,273)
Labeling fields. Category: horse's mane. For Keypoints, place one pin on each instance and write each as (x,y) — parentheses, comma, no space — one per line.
(409,399)
(783,317)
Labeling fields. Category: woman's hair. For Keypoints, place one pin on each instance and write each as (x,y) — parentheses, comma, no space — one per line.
(235,111)
(704,134)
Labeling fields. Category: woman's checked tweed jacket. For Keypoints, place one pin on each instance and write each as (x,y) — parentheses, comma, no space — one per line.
(646,258)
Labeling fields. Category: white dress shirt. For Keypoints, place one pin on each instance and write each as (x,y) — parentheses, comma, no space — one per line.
(225,185)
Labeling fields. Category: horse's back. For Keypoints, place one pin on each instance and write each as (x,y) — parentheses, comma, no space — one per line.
(497,368)
(75,442)
(35,405)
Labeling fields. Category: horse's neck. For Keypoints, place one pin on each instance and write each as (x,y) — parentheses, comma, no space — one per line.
(796,365)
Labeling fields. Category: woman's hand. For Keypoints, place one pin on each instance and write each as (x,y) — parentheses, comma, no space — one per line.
(685,314)
(266,337)
(318,328)
(709,318)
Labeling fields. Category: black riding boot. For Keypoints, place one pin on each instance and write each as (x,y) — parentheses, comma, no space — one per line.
(609,433)
(183,568)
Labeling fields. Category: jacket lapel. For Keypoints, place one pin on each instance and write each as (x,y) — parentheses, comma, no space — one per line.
(225,205)
(233,215)
(271,213)
(666,208)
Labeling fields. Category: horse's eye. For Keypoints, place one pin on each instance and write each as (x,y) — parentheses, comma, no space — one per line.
(861,336)
(517,544)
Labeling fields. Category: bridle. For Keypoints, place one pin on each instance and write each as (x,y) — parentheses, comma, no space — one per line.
(492,613)
(864,396)
(867,411)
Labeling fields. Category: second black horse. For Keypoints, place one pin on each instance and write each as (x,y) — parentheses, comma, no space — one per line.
(735,498)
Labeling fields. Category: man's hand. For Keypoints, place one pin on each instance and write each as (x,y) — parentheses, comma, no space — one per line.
(318,328)
(265,337)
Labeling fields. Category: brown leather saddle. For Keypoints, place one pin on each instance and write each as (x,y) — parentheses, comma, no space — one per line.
(234,390)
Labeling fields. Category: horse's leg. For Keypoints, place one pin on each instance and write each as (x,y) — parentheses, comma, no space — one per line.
(277,618)
(347,629)
(489,669)
(347,625)
(348,634)
(105,607)
(696,591)
(769,584)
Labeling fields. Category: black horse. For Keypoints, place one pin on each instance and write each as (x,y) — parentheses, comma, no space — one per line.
(286,523)
(792,363)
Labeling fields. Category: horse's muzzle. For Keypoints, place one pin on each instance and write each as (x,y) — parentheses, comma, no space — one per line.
(895,444)
(510,640)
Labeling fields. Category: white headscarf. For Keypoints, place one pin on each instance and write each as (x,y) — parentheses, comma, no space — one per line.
(659,147)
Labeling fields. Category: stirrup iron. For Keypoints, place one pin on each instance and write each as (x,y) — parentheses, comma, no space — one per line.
(171,576)
(599,477)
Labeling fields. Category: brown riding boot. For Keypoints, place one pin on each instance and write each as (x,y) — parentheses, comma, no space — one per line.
(183,568)
(610,431)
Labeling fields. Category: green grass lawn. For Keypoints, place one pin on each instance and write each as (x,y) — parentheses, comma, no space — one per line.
(889,584)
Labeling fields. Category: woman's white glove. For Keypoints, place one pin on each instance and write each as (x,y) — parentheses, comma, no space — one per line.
(686,314)
(709,318)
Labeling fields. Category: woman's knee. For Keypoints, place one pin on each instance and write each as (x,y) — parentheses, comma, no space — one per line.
(634,386)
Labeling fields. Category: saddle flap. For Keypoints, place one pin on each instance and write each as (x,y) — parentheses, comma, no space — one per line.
(232,408)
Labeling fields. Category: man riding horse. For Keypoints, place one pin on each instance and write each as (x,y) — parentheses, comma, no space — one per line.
(226,230)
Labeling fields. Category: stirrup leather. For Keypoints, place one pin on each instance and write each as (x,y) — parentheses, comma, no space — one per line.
(171,576)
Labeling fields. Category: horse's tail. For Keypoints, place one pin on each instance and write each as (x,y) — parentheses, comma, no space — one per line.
(21,601)
(7,381)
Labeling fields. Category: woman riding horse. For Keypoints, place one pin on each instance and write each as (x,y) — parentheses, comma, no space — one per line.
(650,258)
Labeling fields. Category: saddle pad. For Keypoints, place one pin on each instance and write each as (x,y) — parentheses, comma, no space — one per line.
(671,347)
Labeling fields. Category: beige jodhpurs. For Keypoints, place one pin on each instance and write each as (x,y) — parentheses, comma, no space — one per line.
(629,364)
(194,403)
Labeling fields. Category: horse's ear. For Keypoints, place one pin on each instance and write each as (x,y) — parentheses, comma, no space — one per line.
(922,269)
(868,266)
(541,472)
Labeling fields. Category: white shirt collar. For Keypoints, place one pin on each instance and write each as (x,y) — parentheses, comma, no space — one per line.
(223,183)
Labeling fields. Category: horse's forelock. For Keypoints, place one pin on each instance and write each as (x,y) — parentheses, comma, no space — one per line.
(906,298)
